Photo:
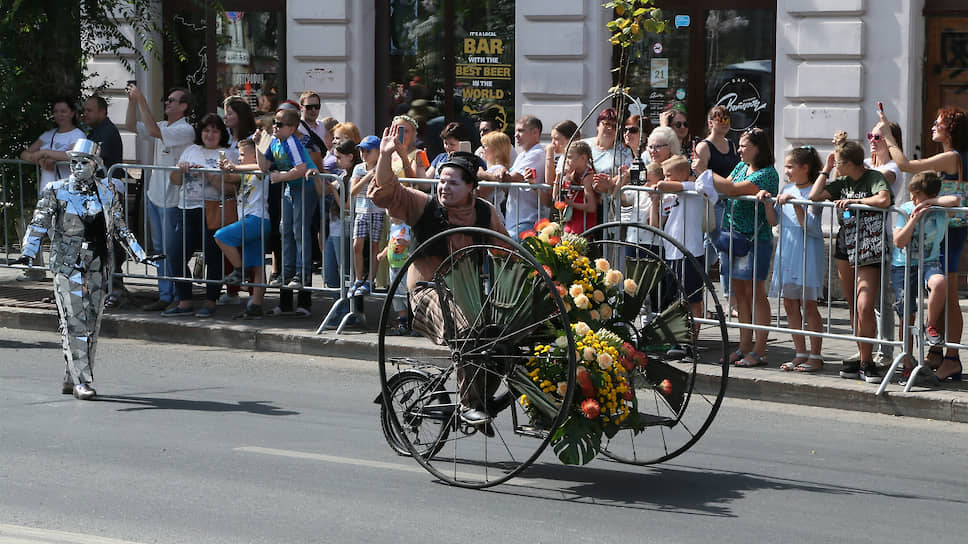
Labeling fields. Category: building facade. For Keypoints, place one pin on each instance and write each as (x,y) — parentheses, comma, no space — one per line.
(800,68)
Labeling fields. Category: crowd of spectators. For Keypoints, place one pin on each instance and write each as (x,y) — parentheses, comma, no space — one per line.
(291,209)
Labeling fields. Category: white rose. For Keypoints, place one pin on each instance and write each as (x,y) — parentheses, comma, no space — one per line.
(582,328)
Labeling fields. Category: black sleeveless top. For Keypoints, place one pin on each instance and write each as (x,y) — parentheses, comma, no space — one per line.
(722,163)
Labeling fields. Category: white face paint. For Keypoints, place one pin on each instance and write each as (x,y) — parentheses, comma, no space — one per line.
(82,168)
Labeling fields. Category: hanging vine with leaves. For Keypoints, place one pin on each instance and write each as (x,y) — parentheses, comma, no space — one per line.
(631,23)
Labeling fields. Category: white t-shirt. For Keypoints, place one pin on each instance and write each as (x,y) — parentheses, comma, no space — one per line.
(639,212)
(319,129)
(899,187)
(57,141)
(364,204)
(194,189)
(498,196)
(175,138)
(605,161)
(523,204)
(253,196)
(687,208)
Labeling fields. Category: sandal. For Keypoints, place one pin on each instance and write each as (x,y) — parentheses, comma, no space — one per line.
(751,360)
(733,357)
(810,368)
(792,365)
(955,376)
(112,302)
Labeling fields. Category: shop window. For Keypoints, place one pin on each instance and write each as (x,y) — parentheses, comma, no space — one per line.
(736,44)
(245,45)
(445,60)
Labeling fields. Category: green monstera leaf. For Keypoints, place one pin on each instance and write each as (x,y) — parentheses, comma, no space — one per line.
(577,441)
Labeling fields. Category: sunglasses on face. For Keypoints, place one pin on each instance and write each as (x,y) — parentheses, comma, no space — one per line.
(721,120)
(656,147)
(632,129)
(311,106)
(484,130)
(609,124)
(681,124)
(871,137)
(279,124)
(170,99)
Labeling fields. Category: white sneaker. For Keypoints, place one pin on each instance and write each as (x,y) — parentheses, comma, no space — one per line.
(226,298)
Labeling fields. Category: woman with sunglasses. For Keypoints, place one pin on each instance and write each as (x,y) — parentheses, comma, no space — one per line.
(950,129)
(675,118)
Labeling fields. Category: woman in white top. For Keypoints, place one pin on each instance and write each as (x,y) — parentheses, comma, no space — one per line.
(497,155)
(240,122)
(881,160)
(191,231)
(51,147)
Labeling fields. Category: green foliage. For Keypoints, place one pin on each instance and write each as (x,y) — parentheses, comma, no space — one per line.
(633,20)
(577,441)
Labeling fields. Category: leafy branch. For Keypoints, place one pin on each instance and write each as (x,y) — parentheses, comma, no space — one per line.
(633,20)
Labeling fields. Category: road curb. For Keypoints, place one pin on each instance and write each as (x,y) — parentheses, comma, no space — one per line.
(754,384)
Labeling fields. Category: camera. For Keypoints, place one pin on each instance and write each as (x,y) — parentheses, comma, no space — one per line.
(635,172)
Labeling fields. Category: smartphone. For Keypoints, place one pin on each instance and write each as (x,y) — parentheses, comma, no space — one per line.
(400,137)
(221,155)
(465,146)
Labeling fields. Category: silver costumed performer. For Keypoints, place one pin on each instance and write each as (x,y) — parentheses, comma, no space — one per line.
(80,215)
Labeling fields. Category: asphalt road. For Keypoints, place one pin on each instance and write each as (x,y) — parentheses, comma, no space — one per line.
(215,445)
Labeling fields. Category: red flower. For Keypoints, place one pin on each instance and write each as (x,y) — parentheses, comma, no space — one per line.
(584,379)
(590,408)
(542,223)
(561,205)
(628,394)
(561,288)
(554,240)
(627,363)
(640,359)
(627,348)
(527,234)
(665,386)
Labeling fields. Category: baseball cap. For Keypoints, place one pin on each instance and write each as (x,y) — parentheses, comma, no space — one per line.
(369,143)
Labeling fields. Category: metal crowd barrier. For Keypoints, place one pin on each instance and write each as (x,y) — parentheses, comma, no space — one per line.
(612,210)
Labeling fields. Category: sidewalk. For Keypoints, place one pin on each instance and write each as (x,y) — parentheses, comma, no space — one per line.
(20,308)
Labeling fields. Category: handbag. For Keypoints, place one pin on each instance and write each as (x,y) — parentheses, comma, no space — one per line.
(213,213)
(740,244)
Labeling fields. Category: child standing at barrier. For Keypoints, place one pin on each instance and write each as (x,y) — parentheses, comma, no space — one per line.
(909,233)
(682,213)
(368,225)
(396,254)
(249,232)
(798,267)
(576,189)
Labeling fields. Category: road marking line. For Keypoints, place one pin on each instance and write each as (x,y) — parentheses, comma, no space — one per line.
(31,535)
(365,463)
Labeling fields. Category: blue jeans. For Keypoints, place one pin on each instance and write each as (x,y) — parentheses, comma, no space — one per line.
(161,223)
(333,260)
(298,205)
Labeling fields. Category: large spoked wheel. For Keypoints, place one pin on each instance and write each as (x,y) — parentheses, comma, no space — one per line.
(682,386)
(484,308)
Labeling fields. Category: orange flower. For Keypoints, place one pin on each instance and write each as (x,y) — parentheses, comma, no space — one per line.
(541,224)
(527,234)
(561,205)
(590,408)
(554,240)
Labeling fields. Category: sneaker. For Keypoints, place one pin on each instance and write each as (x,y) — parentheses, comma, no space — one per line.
(275,312)
(275,280)
(855,358)
(926,377)
(206,311)
(177,311)
(295,283)
(234,278)
(362,290)
(251,311)
(227,298)
(352,289)
(932,335)
(869,373)
(850,369)
(301,312)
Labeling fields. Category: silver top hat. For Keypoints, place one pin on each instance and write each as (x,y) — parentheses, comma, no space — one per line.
(86,148)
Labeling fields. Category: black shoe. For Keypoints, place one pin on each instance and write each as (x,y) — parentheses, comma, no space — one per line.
(850,369)
(869,373)
(68,387)
(474,417)
(84,391)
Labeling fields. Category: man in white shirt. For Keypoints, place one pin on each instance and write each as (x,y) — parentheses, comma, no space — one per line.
(309,104)
(171,138)
(525,206)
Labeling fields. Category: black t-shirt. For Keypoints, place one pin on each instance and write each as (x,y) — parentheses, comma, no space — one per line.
(112,150)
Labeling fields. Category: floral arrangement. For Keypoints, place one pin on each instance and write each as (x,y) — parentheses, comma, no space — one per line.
(600,301)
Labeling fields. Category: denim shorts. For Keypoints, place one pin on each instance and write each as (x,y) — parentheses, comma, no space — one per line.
(954,243)
(756,262)
(931,268)
(250,238)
